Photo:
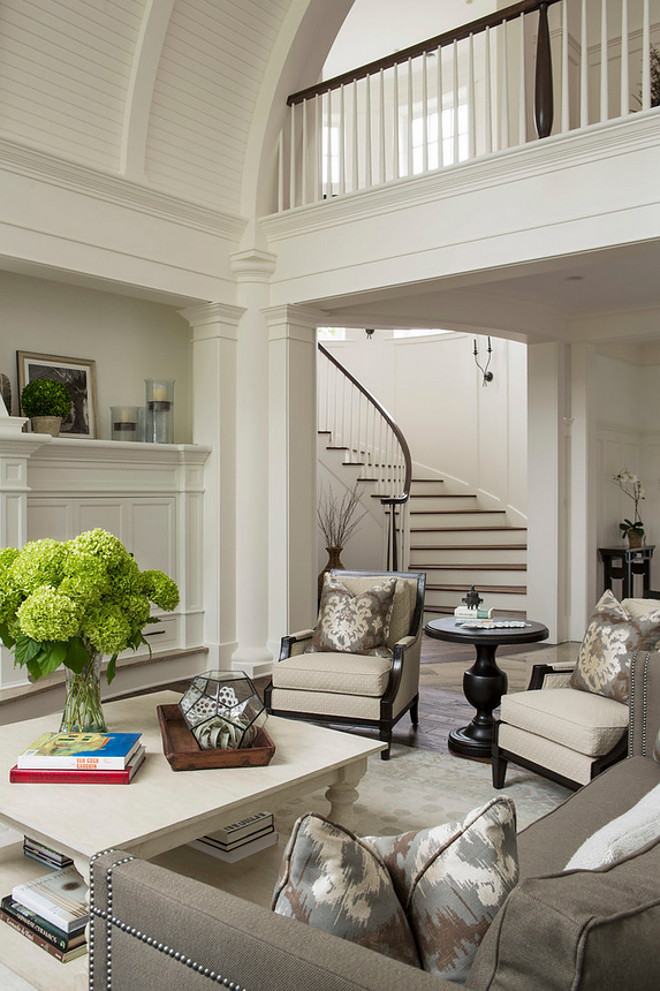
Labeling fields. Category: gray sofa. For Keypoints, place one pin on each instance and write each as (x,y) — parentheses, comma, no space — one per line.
(595,930)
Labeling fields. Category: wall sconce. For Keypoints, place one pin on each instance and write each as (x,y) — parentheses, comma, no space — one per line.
(488,376)
(369,331)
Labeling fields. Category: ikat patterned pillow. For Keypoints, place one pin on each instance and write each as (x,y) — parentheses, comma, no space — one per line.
(425,898)
(353,624)
(612,637)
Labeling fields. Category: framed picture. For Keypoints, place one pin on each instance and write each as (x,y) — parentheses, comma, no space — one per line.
(77,374)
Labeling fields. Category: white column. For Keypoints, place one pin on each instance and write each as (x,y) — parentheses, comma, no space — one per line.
(583,516)
(547,534)
(252,269)
(214,342)
(292,471)
(15,451)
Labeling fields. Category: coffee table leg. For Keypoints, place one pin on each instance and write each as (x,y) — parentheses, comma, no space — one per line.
(484,684)
(342,793)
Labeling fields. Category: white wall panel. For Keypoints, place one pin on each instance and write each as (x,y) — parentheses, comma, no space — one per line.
(64,71)
(212,64)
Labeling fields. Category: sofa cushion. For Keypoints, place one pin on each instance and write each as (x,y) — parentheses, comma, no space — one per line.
(449,882)
(623,836)
(581,929)
(586,723)
(613,635)
(353,623)
(325,671)
(405,596)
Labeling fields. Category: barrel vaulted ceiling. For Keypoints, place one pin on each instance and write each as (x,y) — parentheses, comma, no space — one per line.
(161,91)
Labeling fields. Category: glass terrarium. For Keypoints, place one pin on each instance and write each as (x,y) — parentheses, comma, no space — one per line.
(223,710)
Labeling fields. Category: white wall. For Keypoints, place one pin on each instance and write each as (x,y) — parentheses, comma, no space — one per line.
(454,425)
(129,339)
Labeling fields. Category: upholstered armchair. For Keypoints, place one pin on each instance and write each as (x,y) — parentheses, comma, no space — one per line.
(356,689)
(570,734)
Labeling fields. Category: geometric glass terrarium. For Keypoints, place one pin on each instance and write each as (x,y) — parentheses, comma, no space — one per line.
(223,710)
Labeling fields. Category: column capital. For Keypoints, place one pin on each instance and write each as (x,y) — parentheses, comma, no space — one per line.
(253,265)
(289,320)
(213,320)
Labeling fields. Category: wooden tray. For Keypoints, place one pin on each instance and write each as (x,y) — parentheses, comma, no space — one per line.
(184,753)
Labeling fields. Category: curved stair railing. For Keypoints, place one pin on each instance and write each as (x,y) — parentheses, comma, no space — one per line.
(359,425)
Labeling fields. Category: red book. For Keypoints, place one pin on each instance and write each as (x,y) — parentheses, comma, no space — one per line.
(63,776)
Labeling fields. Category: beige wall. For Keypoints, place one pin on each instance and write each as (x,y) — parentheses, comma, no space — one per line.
(129,339)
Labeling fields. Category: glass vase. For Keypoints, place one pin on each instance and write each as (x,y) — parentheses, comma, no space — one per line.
(83,712)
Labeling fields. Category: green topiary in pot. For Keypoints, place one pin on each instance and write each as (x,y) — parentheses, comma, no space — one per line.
(46,397)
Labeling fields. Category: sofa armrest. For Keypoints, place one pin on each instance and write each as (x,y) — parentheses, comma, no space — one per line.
(295,643)
(644,703)
(551,675)
(151,926)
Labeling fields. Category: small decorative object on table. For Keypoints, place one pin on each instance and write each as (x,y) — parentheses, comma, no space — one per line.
(338,520)
(160,411)
(47,403)
(125,422)
(68,603)
(631,486)
(471,608)
(223,710)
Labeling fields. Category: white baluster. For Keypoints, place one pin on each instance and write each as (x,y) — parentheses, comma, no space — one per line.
(292,159)
(604,107)
(522,107)
(318,144)
(441,153)
(584,69)
(488,97)
(646,57)
(472,125)
(369,178)
(397,173)
(328,130)
(382,175)
(342,140)
(504,103)
(355,180)
(280,172)
(625,73)
(410,118)
(425,114)
(305,152)
(455,98)
(565,121)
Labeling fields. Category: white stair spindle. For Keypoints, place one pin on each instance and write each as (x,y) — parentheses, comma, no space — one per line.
(455,99)
(369,177)
(488,96)
(625,70)
(355,180)
(397,124)
(472,117)
(328,132)
(438,58)
(382,175)
(584,69)
(292,159)
(646,57)
(522,90)
(504,104)
(425,114)
(604,107)
(305,152)
(280,172)
(318,144)
(565,121)
(410,120)
(342,139)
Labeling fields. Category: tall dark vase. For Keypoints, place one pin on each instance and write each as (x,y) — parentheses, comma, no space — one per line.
(334,562)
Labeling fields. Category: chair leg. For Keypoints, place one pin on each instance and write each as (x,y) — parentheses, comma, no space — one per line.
(386,737)
(498,766)
(414,712)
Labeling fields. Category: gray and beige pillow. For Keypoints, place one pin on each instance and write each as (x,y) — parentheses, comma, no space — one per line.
(612,637)
(354,623)
(425,898)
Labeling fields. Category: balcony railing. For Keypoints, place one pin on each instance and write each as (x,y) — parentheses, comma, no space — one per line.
(522,73)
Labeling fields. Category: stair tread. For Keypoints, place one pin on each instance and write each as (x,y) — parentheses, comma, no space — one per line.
(463,529)
(469,547)
(443,495)
(509,589)
(472,566)
(435,481)
(457,512)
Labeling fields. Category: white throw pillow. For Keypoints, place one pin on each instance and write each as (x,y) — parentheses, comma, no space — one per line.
(621,837)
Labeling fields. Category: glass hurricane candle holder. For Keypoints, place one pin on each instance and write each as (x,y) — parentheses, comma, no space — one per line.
(125,423)
(223,710)
(160,411)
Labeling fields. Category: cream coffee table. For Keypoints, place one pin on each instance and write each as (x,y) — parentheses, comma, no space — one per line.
(160,810)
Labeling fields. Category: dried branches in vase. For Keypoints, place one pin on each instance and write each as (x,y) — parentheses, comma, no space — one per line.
(338,519)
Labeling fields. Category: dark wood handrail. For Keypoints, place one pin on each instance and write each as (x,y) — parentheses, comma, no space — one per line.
(413,51)
(391,422)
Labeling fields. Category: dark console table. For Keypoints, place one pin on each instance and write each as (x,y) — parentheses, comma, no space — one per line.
(484,683)
(631,561)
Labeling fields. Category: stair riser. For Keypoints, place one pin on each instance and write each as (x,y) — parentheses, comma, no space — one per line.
(494,600)
(467,556)
(474,519)
(439,504)
(432,486)
(452,538)
(473,576)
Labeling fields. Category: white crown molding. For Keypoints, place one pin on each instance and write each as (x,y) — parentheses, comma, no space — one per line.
(44,167)
(555,153)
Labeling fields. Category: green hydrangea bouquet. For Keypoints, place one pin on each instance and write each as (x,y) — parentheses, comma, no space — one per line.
(69,603)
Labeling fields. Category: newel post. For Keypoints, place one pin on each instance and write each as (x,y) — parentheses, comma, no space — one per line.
(543,96)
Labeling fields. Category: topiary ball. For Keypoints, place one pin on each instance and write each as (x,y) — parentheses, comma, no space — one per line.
(46,397)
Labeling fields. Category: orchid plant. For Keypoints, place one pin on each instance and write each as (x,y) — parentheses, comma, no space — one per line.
(631,486)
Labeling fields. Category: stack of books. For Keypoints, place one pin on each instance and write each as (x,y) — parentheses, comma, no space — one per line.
(43,854)
(241,839)
(51,912)
(80,758)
